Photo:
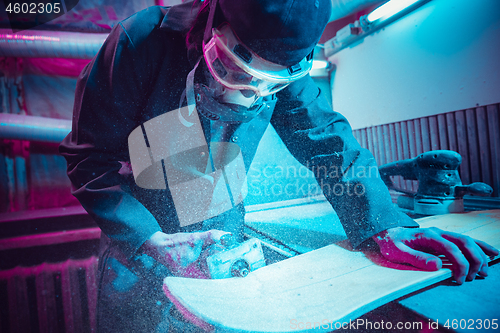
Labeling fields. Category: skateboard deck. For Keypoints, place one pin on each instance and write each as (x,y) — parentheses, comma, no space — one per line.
(316,290)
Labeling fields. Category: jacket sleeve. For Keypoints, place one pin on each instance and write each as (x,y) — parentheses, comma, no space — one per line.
(109,96)
(322,140)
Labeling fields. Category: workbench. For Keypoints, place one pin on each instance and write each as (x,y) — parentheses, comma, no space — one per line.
(307,224)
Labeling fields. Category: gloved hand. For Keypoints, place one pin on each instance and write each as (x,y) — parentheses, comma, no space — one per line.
(419,247)
(181,252)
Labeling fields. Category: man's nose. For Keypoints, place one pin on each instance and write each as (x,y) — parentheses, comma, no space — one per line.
(248,93)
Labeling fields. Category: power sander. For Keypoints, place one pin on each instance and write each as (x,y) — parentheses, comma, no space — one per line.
(440,190)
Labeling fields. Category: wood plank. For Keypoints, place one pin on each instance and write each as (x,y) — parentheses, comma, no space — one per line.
(387,143)
(381,145)
(90,278)
(418,145)
(394,151)
(413,149)
(410,124)
(452,132)
(463,148)
(494,126)
(357,135)
(50,238)
(392,142)
(418,137)
(376,148)
(399,152)
(475,170)
(369,140)
(46,302)
(51,213)
(26,304)
(434,133)
(426,137)
(399,142)
(442,131)
(331,283)
(70,287)
(484,146)
(363,142)
(19,307)
(406,151)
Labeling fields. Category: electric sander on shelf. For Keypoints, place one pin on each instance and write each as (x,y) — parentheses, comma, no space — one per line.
(440,190)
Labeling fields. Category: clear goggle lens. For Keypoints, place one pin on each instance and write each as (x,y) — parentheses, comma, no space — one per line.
(232,72)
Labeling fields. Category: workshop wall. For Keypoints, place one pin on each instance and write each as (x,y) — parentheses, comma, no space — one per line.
(33,174)
(427,81)
(442,57)
(473,133)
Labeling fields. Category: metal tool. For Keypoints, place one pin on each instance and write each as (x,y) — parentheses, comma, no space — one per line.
(440,190)
(232,259)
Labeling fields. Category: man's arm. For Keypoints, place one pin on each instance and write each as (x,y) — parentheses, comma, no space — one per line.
(109,101)
(109,96)
(322,140)
(348,175)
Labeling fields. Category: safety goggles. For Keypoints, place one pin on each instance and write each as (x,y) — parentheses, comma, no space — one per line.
(236,67)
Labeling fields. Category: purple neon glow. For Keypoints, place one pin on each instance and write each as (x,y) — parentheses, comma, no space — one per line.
(30,37)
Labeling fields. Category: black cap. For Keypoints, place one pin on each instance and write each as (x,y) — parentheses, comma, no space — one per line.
(280,31)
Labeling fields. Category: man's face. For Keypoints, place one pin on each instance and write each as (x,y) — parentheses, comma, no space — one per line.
(241,97)
(243,75)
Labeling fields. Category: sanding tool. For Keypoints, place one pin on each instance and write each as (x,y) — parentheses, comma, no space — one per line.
(440,190)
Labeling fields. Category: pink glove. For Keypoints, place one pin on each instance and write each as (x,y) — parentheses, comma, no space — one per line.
(420,247)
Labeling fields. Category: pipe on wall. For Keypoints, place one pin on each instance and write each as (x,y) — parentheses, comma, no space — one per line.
(50,44)
(64,44)
(30,128)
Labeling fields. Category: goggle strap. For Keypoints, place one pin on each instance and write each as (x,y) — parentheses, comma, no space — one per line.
(310,55)
(294,69)
(297,68)
(210,21)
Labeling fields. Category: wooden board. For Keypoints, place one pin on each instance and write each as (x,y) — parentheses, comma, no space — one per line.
(319,288)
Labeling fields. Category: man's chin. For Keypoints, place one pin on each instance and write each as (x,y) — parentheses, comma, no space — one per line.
(242,109)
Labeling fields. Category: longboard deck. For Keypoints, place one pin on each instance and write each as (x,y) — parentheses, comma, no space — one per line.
(318,288)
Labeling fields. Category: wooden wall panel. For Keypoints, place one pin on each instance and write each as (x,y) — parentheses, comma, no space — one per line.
(492,112)
(474,133)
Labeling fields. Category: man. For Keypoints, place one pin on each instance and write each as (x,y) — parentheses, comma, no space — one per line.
(175,104)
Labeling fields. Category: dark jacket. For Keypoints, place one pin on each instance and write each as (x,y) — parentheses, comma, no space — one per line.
(140,73)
